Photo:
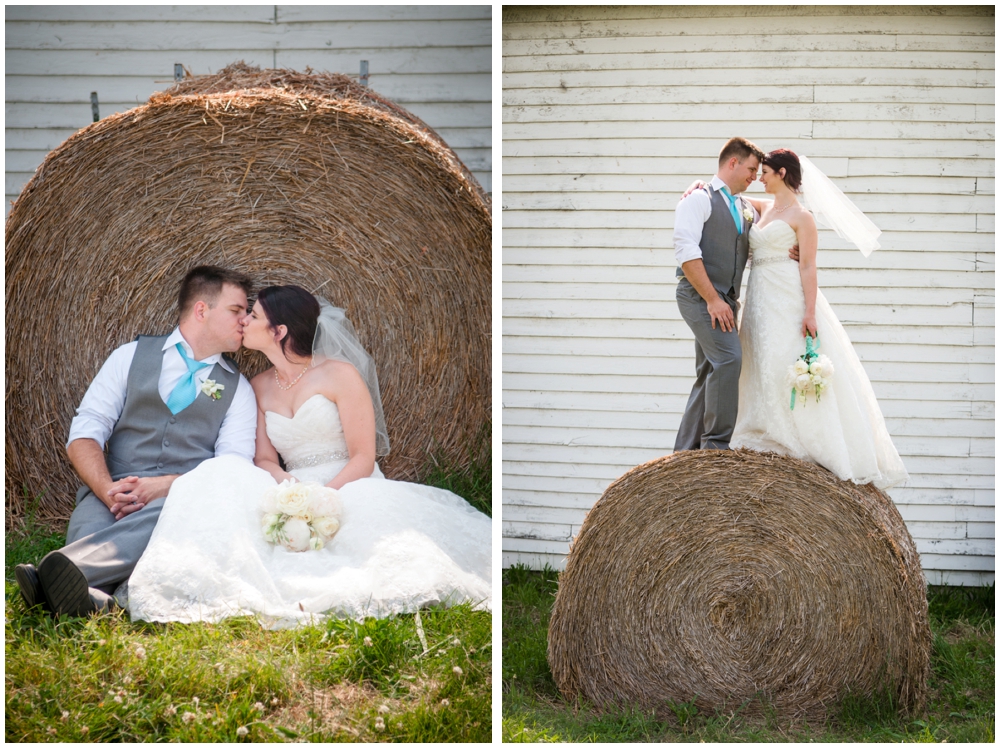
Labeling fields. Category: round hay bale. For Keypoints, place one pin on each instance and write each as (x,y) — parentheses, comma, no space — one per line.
(289,178)
(740,580)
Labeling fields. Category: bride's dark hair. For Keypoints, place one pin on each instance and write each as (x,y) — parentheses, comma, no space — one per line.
(297,310)
(782,158)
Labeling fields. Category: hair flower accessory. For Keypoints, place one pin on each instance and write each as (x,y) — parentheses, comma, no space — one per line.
(213,389)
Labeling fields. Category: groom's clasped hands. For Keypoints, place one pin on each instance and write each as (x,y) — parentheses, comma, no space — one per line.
(132,493)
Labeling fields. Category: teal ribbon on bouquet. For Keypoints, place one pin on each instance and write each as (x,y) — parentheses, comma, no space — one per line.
(812,352)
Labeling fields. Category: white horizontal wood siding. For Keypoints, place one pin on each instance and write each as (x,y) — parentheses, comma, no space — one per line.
(433,60)
(609,113)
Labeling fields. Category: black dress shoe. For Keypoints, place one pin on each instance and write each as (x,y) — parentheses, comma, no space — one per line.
(31,589)
(65,586)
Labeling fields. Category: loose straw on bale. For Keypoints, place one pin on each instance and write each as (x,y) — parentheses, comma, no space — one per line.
(318,182)
(738,579)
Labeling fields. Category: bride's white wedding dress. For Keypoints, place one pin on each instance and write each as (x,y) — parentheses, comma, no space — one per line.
(401,546)
(845,431)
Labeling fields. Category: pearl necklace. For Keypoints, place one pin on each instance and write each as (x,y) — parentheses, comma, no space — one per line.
(294,381)
(779,210)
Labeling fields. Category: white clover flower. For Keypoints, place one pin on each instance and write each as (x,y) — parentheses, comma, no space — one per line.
(51,731)
(456,642)
(379,724)
(326,526)
(445,702)
(368,642)
(456,670)
(170,711)
(84,730)
(258,706)
(118,699)
(140,652)
(274,701)
(64,717)
(383,709)
(242,731)
(195,700)
(296,533)
(188,718)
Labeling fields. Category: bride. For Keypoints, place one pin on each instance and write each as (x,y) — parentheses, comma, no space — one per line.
(844,431)
(401,546)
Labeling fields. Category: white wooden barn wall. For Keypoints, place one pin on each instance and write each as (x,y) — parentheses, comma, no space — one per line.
(433,60)
(609,113)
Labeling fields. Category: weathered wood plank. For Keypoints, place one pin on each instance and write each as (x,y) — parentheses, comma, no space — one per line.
(242,35)
(159,64)
(734,78)
(709,148)
(768,60)
(527,23)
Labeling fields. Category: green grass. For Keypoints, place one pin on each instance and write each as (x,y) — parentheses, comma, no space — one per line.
(960,705)
(474,479)
(106,679)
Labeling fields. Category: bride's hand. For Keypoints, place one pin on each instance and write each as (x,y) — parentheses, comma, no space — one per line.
(697,185)
(793,253)
(809,326)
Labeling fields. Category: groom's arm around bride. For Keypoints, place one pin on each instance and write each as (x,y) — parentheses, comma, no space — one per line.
(154,407)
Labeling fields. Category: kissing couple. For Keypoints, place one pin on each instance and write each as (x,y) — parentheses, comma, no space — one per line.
(176,450)
(742,395)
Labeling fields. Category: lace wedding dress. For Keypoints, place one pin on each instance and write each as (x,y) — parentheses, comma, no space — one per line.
(401,546)
(844,432)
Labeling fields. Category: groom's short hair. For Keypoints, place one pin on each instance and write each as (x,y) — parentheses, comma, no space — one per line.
(741,148)
(204,283)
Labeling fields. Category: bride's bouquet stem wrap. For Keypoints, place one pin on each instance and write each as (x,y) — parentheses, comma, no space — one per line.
(741,580)
(301,178)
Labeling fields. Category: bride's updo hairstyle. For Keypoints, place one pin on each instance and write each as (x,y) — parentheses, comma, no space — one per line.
(782,158)
(297,310)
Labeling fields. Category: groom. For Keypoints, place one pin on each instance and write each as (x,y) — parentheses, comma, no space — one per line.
(711,244)
(150,404)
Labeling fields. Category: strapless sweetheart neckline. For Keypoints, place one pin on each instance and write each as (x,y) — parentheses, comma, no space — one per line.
(300,408)
(768,225)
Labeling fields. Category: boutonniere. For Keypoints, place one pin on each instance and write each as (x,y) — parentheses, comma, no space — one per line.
(213,389)
(748,215)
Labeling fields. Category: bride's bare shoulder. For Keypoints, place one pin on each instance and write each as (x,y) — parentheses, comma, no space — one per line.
(338,373)
(263,379)
(801,218)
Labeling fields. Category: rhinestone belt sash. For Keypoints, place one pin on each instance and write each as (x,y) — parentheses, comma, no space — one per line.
(769,260)
(320,459)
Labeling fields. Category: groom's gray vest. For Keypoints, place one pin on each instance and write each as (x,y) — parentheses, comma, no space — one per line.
(150,440)
(724,250)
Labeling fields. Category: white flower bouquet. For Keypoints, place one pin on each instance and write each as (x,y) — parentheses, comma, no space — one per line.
(810,374)
(300,516)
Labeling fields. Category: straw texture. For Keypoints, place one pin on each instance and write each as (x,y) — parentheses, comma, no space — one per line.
(288,177)
(740,579)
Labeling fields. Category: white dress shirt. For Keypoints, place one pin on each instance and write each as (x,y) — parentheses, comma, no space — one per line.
(102,405)
(689,221)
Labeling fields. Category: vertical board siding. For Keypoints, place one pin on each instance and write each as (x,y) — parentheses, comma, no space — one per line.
(433,60)
(609,113)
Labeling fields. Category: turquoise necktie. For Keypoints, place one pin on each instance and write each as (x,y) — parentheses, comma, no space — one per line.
(185,392)
(732,208)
